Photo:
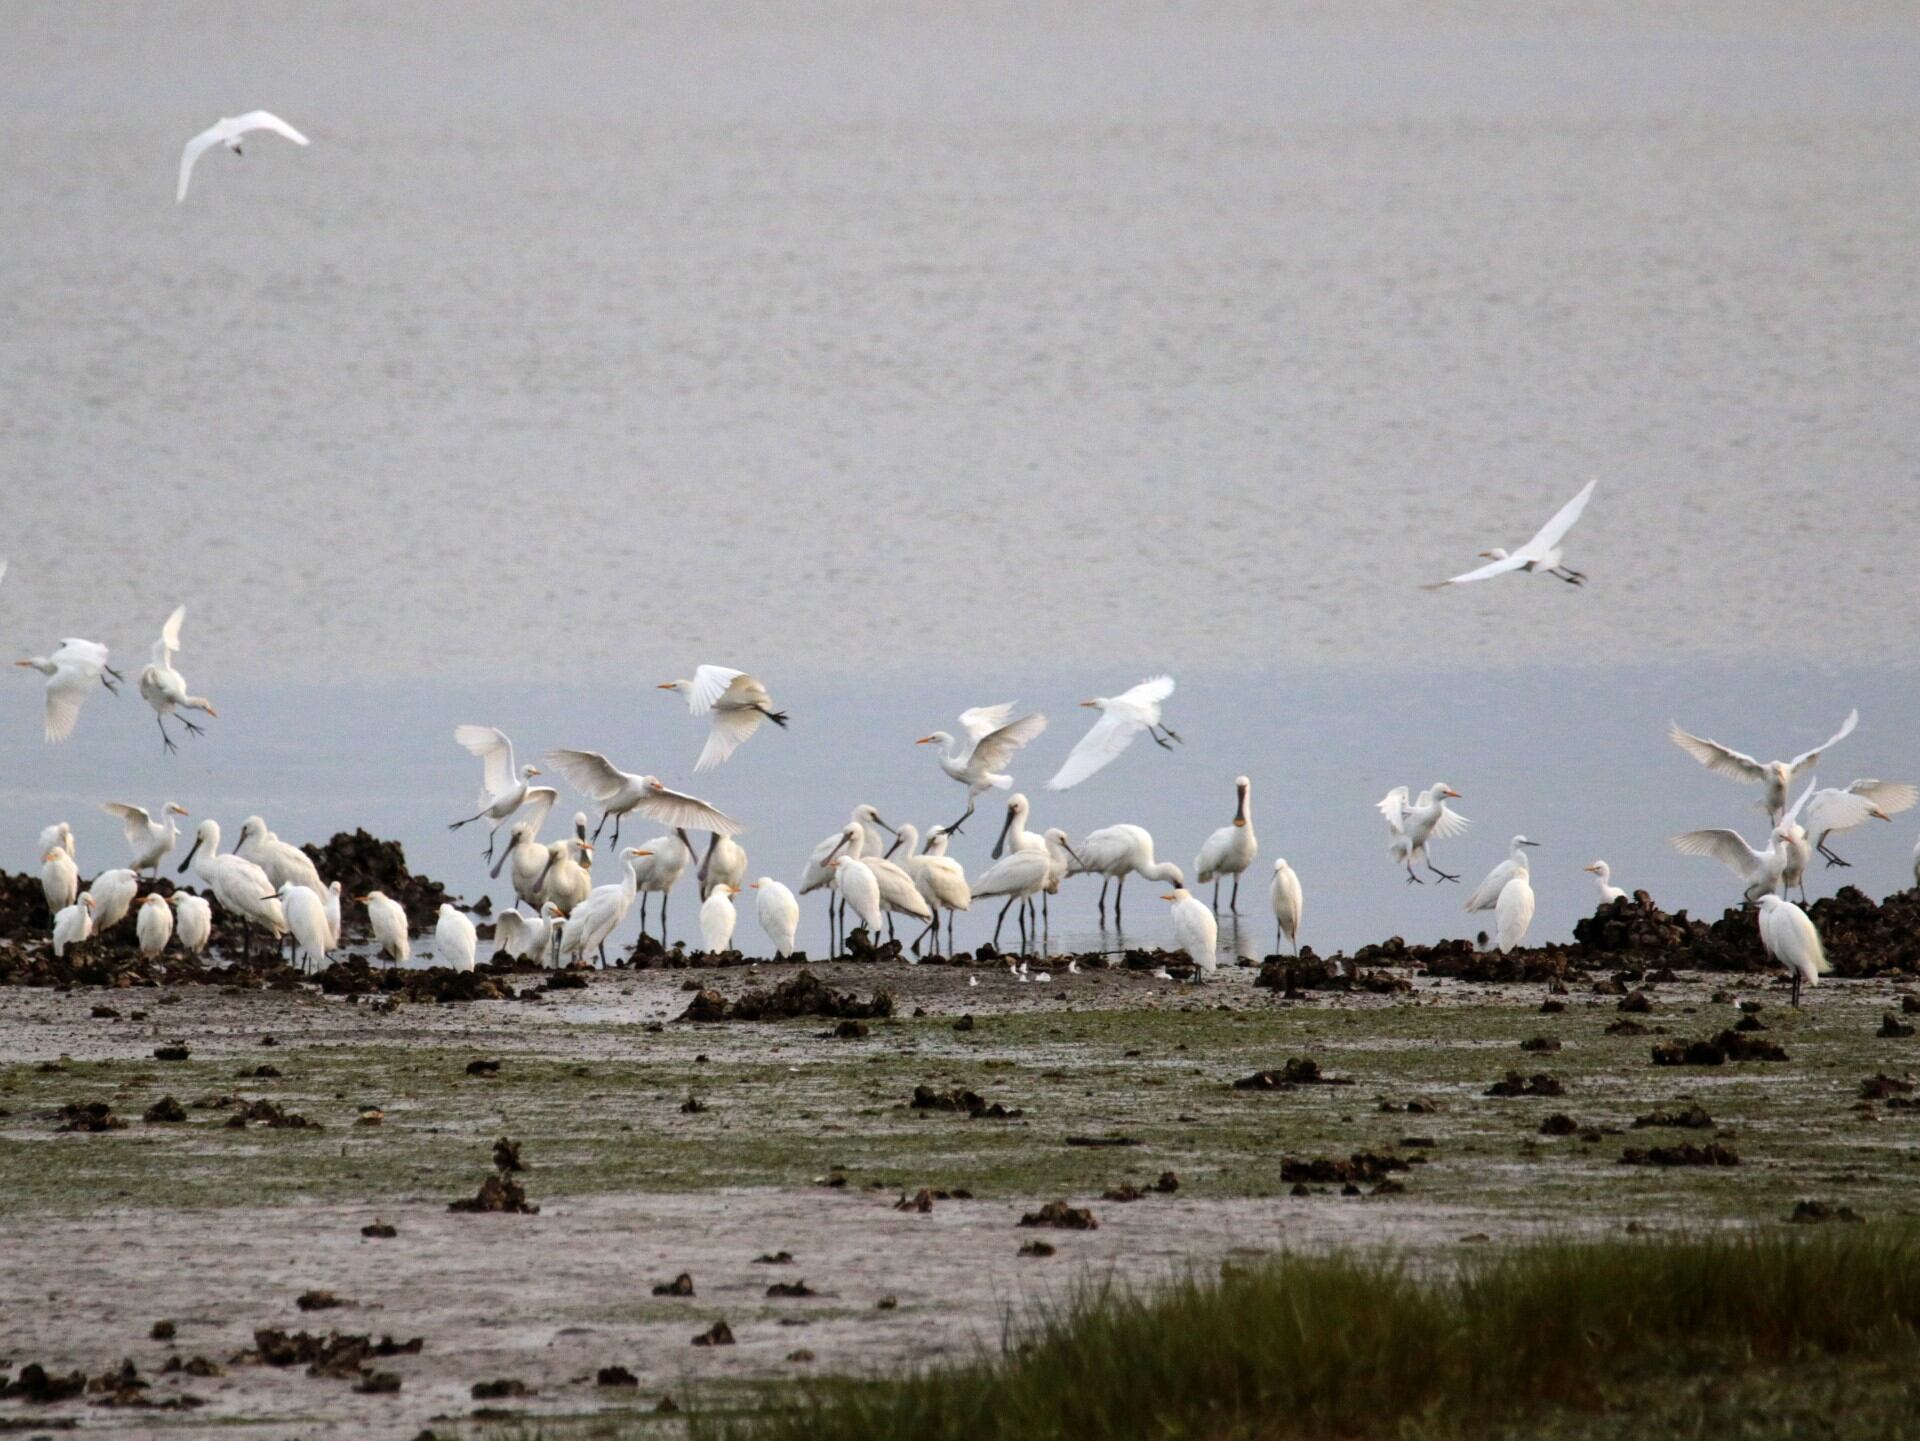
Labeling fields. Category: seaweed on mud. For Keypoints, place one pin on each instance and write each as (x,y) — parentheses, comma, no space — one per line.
(1361,1168)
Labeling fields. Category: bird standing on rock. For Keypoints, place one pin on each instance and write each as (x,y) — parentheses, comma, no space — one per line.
(1603,878)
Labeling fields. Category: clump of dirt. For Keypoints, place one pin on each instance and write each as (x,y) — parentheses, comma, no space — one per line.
(437,985)
(268,1113)
(1361,1168)
(1559,1124)
(1880,1087)
(1729,1045)
(1457,959)
(40,1387)
(1061,1216)
(776,1258)
(803,994)
(1892,1028)
(319,1301)
(1515,1084)
(1294,975)
(1685,1154)
(1300,1071)
(789,1290)
(1037,1249)
(175,1052)
(485,1069)
(498,1193)
(1540,1044)
(1812,1213)
(88,1117)
(506,1156)
(1624,1027)
(681,1285)
(615,1376)
(334,1356)
(718,1334)
(500,1390)
(1690,1117)
(380,1231)
(961,1100)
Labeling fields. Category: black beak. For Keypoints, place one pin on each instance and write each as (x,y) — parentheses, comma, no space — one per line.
(836,850)
(1001,844)
(194,851)
(883,825)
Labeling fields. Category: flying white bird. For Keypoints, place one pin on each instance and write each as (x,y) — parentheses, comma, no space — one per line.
(503,789)
(778,912)
(1122,717)
(71,673)
(193,922)
(387,919)
(149,841)
(1832,810)
(1116,852)
(1413,825)
(1603,878)
(1231,849)
(1486,895)
(619,793)
(717,918)
(1791,940)
(1195,931)
(738,704)
(454,939)
(1286,898)
(1513,911)
(153,926)
(237,883)
(1764,871)
(979,762)
(229,131)
(165,689)
(73,925)
(1777,776)
(1542,553)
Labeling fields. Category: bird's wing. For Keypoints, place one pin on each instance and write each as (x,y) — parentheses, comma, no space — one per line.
(589,772)
(1486,572)
(170,633)
(134,820)
(267,120)
(1892,797)
(1807,758)
(1450,824)
(195,148)
(730,731)
(1104,740)
(985,719)
(67,690)
(535,808)
(490,743)
(1150,692)
(1792,813)
(994,749)
(1393,807)
(1722,760)
(1555,530)
(681,811)
(1487,894)
(1729,848)
(1837,811)
(508,929)
(710,682)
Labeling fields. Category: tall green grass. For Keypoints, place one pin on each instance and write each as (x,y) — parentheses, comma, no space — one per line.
(1340,1347)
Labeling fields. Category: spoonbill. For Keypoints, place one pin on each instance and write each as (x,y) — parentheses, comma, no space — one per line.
(725,863)
(1286,898)
(281,862)
(860,890)
(564,881)
(1833,810)
(71,671)
(1776,776)
(387,919)
(979,762)
(817,875)
(1019,876)
(738,704)
(153,926)
(165,689)
(73,925)
(454,939)
(942,880)
(1486,895)
(1122,717)
(717,918)
(1195,931)
(148,841)
(619,792)
(778,913)
(1603,878)
(1791,940)
(1542,553)
(503,789)
(1116,852)
(1413,826)
(1231,849)
(237,883)
(230,131)
(192,922)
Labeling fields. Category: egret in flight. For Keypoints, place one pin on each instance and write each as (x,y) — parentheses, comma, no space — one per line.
(149,841)
(503,790)
(71,672)
(1122,717)
(738,704)
(619,793)
(165,689)
(1412,825)
(229,131)
(1775,775)
(1831,810)
(1542,553)
(979,761)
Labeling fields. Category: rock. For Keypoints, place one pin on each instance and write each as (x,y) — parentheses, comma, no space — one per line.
(499,1390)
(1893,1028)
(165,1111)
(498,1193)
(506,1155)
(777,1258)
(483,1068)
(1807,1213)
(162,1331)
(681,1285)
(803,994)
(1691,1116)
(925,1098)
(379,1231)
(174,1052)
(1637,1001)
(1059,1214)
(786,1290)
(1685,1154)
(1300,1071)
(1729,1045)
(1540,1043)
(93,1116)
(1880,1087)
(1361,1167)
(718,1334)
(1039,1250)
(267,1113)
(1559,1124)
(615,1376)
(1515,1084)
(319,1301)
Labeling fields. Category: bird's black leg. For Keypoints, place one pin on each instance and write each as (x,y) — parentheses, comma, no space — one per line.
(997,924)
(192,729)
(663,918)
(1832,859)
(1234,904)
(1104,882)
(454,827)
(954,829)
(1444,875)
(166,741)
(778,717)
(1216,895)
(1119,892)
(1796,990)
(1025,946)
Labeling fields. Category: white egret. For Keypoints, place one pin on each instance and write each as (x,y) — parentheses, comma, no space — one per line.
(778,911)
(860,890)
(72,671)
(1541,554)
(230,131)
(1486,895)
(1776,776)
(529,938)
(192,922)
(667,860)
(1763,871)
(503,788)
(1513,911)
(148,841)
(717,918)
(113,892)
(1195,931)
(454,939)
(1831,810)
(1603,878)
(58,834)
(306,917)
(153,926)
(600,914)
(1231,849)
(1287,901)
(59,879)
(1791,940)
(738,704)
(1122,717)
(165,689)
(619,792)
(73,925)
(237,883)
(330,898)
(1116,852)
(979,762)
(387,919)
(1019,876)
(1413,825)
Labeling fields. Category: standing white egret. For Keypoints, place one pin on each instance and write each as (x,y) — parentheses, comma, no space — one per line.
(1195,931)
(454,939)
(1776,776)
(619,792)
(59,879)
(1603,878)
(72,671)
(1287,901)
(330,898)
(778,912)
(1513,911)
(148,841)
(387,919)
(1122,717)
(860,890)
(503,789)
(717,918)
(193,922)
(229,131)
(738,704)
(667,860)
(1486,895)
(1831,810)
(1019,876)
(58,834)
(307,919)
(941,879)
(600,914)
(725,863)
(1791,940)
(531,938)
(979,762)
(153,927)
(165,689)
(1763,871)
(1413,825)
(1542,553)
(73,925)
(1231,849)
(113,892)
(237,883)
(1116,852)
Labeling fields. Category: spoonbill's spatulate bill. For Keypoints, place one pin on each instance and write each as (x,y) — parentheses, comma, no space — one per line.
(1776,776)
(1122,717)
(230,131)
(738,704)
(1542,553)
